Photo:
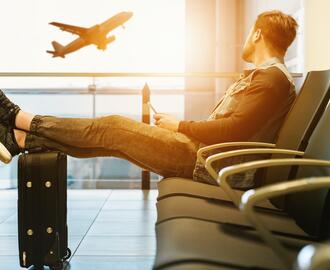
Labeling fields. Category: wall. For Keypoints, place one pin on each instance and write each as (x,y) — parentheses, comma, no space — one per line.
(317,35)
(228,39)
(200,57)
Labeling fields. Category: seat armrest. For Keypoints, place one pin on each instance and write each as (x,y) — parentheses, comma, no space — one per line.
(314,257)
(253,196)
(243,167)
(205,149)
(242,152)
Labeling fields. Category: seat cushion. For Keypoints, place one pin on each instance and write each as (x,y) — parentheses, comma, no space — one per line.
(181,206)
(190,240)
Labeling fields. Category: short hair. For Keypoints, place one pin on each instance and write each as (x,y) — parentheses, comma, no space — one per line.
(278,29)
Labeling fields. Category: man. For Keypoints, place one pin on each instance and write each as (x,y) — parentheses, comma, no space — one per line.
(252,109)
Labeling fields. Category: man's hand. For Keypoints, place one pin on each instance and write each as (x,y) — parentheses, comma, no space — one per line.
(167,121)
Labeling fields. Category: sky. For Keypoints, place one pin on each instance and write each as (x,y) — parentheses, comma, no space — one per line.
(152,41)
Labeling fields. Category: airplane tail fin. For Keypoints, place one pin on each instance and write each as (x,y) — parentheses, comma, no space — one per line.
(57,46)
(58,50)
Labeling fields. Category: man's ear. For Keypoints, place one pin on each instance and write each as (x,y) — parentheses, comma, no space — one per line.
(257,35)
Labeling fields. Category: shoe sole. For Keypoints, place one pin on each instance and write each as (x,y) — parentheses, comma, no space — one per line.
(5,156)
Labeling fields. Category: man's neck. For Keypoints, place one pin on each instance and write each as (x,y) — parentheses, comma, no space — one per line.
(261,58)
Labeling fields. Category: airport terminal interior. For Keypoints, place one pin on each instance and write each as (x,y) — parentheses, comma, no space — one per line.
(97,195)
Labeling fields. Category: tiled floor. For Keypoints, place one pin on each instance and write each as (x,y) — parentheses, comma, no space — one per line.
(108,229)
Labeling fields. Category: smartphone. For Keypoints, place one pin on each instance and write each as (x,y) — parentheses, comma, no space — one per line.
(152,107)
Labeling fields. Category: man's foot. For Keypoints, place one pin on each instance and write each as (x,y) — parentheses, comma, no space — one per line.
(8,110)
(8,144)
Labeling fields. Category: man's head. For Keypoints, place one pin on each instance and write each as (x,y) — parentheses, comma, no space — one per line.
(272,33)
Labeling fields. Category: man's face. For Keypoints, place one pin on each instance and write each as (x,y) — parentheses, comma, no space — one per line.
(249,47)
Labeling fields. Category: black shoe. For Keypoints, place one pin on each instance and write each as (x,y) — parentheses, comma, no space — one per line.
(8,110)
(8,144)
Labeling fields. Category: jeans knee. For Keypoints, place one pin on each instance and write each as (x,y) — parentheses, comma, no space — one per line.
(111,124)
(114,117)
(111,120)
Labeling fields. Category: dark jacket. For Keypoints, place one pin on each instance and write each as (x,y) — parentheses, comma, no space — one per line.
(252,109)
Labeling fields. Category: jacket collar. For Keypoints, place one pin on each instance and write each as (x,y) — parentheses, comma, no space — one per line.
(269,62)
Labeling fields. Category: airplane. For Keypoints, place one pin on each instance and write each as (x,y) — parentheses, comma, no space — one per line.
(96,34)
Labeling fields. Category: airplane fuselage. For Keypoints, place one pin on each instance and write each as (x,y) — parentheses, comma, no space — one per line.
(96,35)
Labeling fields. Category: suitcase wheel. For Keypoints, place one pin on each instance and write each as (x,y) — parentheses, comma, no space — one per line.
(38,267)
(57,267)
(68,254)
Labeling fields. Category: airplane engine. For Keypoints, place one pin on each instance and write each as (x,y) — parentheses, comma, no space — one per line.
(111,39)
(103,45)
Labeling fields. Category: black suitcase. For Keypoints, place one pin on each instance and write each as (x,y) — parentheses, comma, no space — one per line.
(42,210)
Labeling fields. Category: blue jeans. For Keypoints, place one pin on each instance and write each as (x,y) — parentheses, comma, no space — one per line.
(159,150)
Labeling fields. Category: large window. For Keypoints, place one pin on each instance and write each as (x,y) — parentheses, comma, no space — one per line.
(152,41)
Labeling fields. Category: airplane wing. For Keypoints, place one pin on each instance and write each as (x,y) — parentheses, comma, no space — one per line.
(70,28)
